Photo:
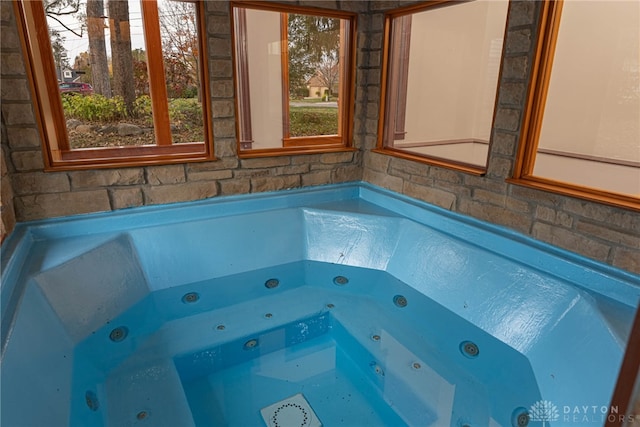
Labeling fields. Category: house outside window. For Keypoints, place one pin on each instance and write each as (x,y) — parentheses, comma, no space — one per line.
(294,73)
(318,84)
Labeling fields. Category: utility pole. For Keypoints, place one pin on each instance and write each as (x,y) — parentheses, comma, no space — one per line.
(63,56)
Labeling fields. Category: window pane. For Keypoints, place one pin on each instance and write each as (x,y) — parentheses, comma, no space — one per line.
(98,74)
(264,77)
(112,95)
(590,132)
(102,67)
(442,78)
(180,50)
(314,74)
(291,74)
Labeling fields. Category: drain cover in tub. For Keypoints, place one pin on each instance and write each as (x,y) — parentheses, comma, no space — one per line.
(293,411)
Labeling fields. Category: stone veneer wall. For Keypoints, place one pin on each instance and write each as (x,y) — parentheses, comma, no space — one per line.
(597,231)
(7,212)
(604,233)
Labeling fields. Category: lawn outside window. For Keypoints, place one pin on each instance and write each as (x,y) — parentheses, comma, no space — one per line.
(294,78)
(147,102)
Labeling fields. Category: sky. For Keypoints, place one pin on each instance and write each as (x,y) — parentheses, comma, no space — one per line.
(76,45)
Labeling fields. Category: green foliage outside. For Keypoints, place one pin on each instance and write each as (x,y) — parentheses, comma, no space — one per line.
(310,121)
(313,45)
(96,108)
(186,112)
(93,108)
(142,107)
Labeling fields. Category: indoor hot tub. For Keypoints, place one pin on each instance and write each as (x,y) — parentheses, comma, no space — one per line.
(334,305)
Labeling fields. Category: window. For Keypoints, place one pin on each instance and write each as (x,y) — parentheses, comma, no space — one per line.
(118,83)
(442,62)
(581,134)
(294,78)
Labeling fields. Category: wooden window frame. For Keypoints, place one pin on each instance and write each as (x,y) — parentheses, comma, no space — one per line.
(245,135)
(294,145)
(550,17)
(396,113)
(40,67)
(284,66)
(391,112)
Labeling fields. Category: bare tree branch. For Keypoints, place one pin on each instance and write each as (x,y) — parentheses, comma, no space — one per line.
(50,8)
(178,25)
(66,27)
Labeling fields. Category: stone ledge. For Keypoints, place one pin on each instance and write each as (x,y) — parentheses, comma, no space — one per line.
(570,240)
(61,204)
(106,177)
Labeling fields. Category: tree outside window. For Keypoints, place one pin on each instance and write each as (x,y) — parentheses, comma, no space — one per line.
(117,91)
(300,59)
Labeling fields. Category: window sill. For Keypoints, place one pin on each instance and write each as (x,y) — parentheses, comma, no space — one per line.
(291,151)
(590,194)
(101,158)
(433,161)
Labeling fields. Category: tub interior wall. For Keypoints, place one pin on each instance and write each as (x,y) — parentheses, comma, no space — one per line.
(92,288)
(78,286)
(38,363)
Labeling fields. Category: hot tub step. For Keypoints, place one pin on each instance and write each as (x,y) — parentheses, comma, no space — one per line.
(152,394)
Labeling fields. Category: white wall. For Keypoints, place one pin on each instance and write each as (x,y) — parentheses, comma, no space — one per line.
(471,153)
(265,77)
(453,71)
(593,104)
(604,176)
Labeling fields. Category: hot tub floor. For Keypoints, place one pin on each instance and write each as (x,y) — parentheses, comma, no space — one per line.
(350,347)
(337,389)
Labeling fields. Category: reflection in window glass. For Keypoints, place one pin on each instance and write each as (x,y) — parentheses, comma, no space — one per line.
(442,75)
(590,132)
(292,79)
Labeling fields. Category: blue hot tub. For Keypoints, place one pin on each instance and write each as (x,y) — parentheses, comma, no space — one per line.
(335,305)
